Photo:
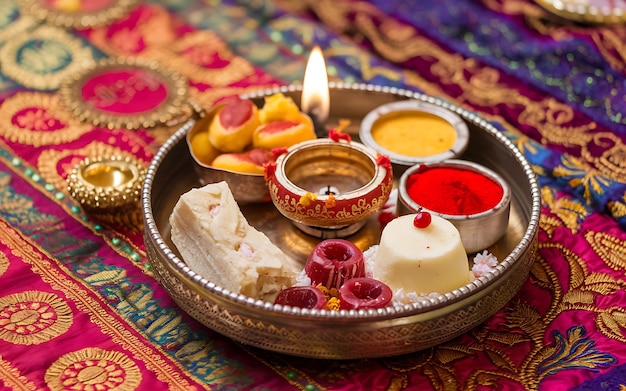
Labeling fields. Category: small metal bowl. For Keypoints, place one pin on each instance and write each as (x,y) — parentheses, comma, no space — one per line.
(246,188)
(395,110)
(479,230)
(328,188)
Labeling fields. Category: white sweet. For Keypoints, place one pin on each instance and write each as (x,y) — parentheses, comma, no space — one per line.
(216,241)
(421,260)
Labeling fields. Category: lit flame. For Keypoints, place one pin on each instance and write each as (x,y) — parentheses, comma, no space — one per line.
(315,93)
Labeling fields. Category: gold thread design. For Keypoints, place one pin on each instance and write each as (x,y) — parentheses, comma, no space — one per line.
(33,317)
(13,379)
(569,211)
(190,52)
(481,85)
(37,118)
(610,249)
(72,16)
(42,58)
(144,77)
(12,27)
(4,263)
(151,356)
(93,369)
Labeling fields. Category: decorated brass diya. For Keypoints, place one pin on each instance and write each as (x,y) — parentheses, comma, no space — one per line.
(329,188)
(104,183)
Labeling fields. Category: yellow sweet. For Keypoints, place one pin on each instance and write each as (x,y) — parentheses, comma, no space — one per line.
(279,107)
(202,149)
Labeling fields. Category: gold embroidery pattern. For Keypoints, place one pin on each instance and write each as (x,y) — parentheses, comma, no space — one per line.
(150,355)
(37,119)
(33,317)
(12,378)
(609,40)
(191,54)
(4,263)
(569,212)
(481,85)
(13,27)
(93,369)
(611,250)
(42,58)
(143,80)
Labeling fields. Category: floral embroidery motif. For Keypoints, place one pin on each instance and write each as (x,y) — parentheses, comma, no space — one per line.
(33,317)
(43,58)
(37,119)
(93,369)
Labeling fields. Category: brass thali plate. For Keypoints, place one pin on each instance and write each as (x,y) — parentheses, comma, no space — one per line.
(343,334)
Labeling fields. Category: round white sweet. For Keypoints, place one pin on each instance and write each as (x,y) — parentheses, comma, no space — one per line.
(421,260)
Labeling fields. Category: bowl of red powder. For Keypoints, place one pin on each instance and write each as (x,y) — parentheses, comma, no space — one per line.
(474,198)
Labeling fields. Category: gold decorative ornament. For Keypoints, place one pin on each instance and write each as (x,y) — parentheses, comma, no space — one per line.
(73,14)
(23,58)
(104,183)
(126,93)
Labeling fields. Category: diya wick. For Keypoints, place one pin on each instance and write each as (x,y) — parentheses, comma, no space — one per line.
(315,101)
(328,188)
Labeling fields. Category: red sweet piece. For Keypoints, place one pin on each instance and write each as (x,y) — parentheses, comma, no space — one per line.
(302,296)
(361,293)
(422,219)
(333,261)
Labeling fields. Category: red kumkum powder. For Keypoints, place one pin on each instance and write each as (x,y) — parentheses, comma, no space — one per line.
(453,190)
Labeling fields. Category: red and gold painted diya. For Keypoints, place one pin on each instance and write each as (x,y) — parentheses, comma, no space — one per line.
(126,93)
(328,188)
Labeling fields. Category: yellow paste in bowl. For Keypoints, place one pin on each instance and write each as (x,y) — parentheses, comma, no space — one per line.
(414,133)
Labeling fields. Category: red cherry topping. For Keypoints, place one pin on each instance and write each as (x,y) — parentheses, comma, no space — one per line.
(364,292)
(302,296)
(422,219)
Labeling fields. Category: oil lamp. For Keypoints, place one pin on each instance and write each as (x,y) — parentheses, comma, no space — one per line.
(329,188)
